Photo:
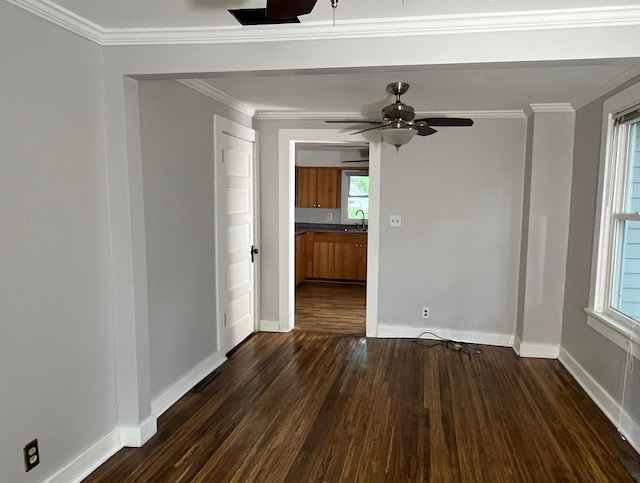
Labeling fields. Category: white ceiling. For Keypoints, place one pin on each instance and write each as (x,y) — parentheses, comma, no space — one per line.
(213,13)
(433,89)
(462,88)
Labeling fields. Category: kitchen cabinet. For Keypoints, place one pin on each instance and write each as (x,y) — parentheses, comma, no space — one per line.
(340,256)
(304,250)
(351,257)
(324,255)
(362,260)
(317,187)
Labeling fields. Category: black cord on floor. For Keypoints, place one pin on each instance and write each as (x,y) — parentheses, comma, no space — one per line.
(455,345)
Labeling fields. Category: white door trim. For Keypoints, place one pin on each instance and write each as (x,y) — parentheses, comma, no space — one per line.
(222,126)
(286,235)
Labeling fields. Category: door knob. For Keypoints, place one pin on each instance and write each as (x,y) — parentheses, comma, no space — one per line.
(254,251)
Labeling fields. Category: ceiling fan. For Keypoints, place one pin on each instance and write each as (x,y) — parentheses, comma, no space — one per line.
(277,11)
(398,125)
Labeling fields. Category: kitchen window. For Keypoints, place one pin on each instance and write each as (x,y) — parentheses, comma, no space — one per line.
(355,196)
(614,308)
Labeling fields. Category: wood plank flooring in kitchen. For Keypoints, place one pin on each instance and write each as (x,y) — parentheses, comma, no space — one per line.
(334,308)
(301,407)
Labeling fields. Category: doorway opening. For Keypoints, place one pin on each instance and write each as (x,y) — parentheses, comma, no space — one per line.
(287,141)
(331,220)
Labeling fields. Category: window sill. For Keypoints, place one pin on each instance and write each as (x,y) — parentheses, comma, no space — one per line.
(620,332)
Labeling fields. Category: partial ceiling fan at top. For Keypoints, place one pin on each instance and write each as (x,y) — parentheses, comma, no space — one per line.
(398,124)
(278,12)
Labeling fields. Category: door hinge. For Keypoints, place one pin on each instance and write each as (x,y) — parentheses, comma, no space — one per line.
(225,319)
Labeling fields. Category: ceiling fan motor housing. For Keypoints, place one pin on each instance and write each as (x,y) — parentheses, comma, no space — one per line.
(398,110)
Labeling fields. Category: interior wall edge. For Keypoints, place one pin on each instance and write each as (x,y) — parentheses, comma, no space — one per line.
(603,399)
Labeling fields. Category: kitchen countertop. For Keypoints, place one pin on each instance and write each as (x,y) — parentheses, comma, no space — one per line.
(327,228)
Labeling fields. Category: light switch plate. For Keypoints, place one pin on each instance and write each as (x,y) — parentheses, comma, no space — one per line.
(395,220)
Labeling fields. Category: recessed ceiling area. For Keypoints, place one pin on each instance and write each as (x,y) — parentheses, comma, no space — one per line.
(461,88)
(332,154)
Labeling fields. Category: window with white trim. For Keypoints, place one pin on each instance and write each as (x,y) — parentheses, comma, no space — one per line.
(355,196)
(623,289)
(614,305)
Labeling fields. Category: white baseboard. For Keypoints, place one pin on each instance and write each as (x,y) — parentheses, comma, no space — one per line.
(409,332)
(170,395)
(516,344)
(609,406)
(536,349)
(85,463)
(271,326)
(136,436)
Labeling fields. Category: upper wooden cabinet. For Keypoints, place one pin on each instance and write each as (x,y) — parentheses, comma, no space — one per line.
(317,187)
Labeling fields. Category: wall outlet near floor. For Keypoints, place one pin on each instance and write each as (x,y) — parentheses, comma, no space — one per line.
(329,216)
(31,455)
(395,221)
(425,312)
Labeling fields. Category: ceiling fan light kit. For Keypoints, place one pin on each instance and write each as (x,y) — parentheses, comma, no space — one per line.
(398,125)
(398,136)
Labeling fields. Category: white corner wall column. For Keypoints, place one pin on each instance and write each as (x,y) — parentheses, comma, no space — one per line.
(130,296)
(545,231)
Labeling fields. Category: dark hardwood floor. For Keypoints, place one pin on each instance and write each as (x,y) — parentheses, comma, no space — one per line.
(303,407)
(333,308)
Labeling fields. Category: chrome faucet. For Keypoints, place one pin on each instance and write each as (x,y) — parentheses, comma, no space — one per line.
(364,228)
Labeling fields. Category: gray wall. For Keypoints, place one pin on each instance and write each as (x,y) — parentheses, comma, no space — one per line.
(459,193)
(548,188)
(56,331)
(176,128)
(269,214)
(460,196)
(602,359)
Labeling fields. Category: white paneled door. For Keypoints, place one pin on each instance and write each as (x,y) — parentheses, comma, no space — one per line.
(237,250)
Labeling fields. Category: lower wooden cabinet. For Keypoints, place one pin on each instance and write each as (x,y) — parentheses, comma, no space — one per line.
(304,256)
(349,261)
(324,255)
(333,256)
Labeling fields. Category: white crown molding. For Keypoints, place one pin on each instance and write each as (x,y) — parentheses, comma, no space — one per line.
(402,26)
(551,107)
(210,91)
(62,17)
(332,116)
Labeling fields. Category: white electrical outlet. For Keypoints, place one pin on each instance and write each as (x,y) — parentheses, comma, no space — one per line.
(329,216)
(425,312)
(395,220)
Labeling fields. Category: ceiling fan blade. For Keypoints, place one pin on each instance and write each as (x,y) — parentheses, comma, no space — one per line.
(359,121)
(424,130)
(286,9)
(381,126)
(447,121)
